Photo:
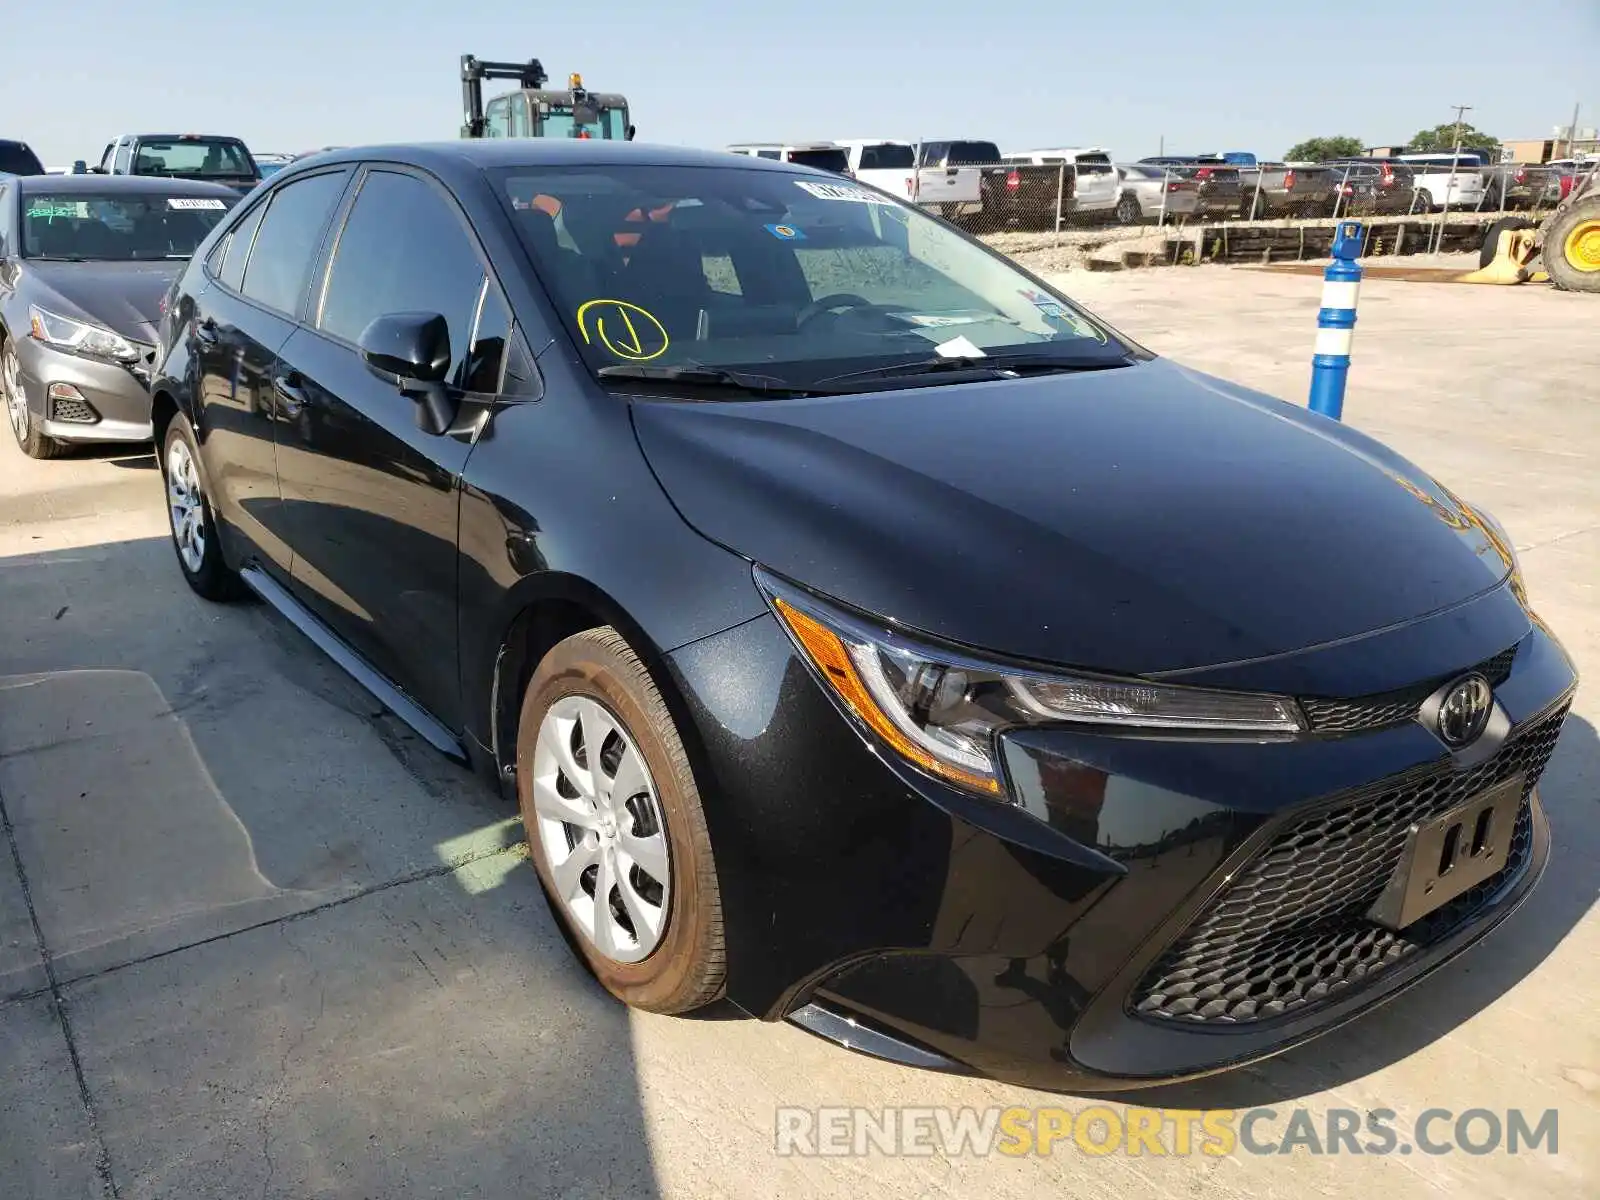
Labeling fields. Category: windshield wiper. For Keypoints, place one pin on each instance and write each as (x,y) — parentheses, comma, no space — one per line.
(701,375)
(998,364)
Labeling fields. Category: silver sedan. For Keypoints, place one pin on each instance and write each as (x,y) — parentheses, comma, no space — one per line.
(1151,193)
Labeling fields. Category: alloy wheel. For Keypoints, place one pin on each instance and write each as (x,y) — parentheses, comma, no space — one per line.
(16,400)
(600,829)
(186,504)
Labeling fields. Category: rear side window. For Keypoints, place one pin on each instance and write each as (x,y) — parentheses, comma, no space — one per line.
(438,271)
(236,251)
(1094,164)
(288,239)
(887,157)
(17,159)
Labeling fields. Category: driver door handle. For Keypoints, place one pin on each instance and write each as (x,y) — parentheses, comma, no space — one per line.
(290,396)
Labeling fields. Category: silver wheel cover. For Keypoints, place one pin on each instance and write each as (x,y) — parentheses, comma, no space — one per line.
(185,505)
(601,831)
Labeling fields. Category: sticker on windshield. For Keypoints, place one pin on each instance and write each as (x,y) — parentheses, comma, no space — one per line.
(190,202)
(1054,310)
(785,233)
(627,331)
(946,319)
(50,209)
(841,191)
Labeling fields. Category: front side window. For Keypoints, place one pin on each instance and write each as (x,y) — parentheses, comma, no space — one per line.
(222,159)
(289,237)
(236,248)
(114,227)
(437,272)
(774,272)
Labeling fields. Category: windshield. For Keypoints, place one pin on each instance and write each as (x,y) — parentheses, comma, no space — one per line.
(117,228)
(208,158)
(558,123)
(837,161)
(782,273)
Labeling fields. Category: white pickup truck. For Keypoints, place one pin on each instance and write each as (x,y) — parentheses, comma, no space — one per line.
(892,166)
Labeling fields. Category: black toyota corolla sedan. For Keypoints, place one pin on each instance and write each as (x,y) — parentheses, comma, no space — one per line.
(869,634)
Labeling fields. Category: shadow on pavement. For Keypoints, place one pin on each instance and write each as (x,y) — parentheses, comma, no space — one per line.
(302,954)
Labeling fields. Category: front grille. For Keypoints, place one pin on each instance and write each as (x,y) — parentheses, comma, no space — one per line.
(80,412)
(1290,931)
(1392,708)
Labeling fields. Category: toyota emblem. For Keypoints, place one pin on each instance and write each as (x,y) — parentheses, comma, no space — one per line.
(1464,712)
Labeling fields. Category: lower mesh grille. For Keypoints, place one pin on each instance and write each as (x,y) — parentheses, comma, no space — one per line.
(1290,932)
(79,412)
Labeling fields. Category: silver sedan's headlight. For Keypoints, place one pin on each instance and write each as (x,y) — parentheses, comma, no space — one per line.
(941,710)
(80,337)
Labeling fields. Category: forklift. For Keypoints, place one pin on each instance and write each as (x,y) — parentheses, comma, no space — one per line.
(532,111)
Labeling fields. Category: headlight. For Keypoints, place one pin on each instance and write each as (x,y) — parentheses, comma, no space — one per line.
(79,336)
(941,710)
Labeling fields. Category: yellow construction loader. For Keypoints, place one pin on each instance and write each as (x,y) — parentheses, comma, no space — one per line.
(1564,248)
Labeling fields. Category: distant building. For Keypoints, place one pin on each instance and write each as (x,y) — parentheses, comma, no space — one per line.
(1385,151)
(1560,144)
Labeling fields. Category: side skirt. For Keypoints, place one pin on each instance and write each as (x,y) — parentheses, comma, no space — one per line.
(357,667)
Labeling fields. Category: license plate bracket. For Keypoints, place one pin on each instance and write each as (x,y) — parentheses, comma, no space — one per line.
(1449,854)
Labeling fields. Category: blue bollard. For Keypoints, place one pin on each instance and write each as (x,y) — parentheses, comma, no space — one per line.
(1336,322)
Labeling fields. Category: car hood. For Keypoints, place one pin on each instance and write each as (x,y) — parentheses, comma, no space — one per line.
(122,296)
(1143,520)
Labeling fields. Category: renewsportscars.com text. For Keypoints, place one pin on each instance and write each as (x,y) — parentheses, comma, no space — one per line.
(1102,1130)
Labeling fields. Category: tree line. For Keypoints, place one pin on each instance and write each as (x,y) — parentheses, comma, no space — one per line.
(1439,138)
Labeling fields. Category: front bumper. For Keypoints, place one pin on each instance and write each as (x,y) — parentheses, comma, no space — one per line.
(1021,942)
(111,402)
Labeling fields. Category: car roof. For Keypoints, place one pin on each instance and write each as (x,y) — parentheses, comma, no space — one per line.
(490,153)
(181,137)
(1064,151)
(861,141)
(100,185)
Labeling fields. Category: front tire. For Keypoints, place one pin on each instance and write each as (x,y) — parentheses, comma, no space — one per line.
(1572,247)
(615,827)
(19,416)
(1129,210)
(189,517)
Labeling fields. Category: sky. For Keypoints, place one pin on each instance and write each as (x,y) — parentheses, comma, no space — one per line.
(1252,75)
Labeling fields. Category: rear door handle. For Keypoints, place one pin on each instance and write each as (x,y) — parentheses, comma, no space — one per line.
(288,388)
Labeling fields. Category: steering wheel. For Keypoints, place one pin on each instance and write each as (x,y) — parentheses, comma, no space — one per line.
(842,301)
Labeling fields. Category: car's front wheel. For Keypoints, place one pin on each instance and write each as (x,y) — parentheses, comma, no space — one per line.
(26,430)
(194,529)
(615,828)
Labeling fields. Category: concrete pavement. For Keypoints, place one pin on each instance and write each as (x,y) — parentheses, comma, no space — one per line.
(256,939)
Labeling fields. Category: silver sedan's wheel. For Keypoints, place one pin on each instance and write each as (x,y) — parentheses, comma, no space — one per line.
(188,508)
(601,829)
(11,386)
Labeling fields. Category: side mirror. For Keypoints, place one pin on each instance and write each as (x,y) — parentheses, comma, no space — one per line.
(632,129)
(79,167)
(415,348)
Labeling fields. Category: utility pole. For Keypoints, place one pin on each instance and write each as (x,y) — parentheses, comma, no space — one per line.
(1461,110)
(1572,134)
